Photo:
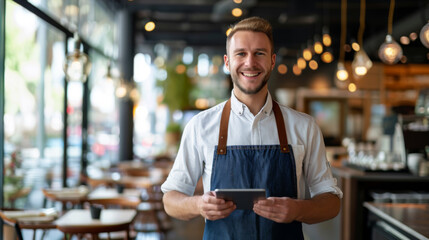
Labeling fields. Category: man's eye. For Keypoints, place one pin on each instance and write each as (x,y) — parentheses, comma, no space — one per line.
(240,54)
(260,53)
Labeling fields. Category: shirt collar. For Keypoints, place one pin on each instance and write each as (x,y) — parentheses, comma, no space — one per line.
(239,107)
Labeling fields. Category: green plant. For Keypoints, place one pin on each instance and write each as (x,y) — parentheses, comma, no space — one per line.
(177,87)
(174,127)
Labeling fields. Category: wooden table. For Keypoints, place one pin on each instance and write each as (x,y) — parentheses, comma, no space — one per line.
(408,219)
(105,193)
(79,221)
(37,219)
(75,196)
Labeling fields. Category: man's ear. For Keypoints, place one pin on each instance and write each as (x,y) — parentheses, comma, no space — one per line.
(273,61)
(226,60)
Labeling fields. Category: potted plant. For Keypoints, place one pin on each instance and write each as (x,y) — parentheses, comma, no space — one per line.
(177,89)
(173,133)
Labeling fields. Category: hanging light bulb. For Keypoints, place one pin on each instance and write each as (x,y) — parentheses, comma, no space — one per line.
(327,56)
(424,35)
(390,52)
(361,64)
(237,12)
(77,65)
(149,26)
(318,47)
(326,38)
(306,54)
(342,73)
(127,90)
(301,63)
(352,87)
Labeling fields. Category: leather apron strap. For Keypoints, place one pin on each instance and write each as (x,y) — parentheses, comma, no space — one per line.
(223,130)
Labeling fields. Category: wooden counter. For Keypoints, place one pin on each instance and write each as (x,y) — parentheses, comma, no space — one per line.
(409,219)
(357,186)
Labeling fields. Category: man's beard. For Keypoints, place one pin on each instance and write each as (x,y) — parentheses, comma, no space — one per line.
(251,91)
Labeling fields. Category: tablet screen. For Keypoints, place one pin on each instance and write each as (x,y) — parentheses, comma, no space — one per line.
(242,198)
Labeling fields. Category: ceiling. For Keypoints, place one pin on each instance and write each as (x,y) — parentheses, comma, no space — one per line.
(202,23)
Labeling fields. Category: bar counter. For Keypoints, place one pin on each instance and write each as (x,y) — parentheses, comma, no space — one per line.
(409,219)
(357,187)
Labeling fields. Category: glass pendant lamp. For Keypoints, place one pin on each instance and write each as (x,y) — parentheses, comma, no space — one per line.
(361,62)
(341,74)
(390,52)
(424,35)
(77,65)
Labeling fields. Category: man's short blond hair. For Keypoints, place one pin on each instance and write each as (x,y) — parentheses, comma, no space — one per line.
(254,24)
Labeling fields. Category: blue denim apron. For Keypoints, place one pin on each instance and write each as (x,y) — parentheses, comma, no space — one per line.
(271,167)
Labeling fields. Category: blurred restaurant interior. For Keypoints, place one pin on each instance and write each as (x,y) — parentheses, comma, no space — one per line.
(94,95)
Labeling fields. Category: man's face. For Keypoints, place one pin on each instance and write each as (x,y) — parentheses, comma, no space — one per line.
(250,61)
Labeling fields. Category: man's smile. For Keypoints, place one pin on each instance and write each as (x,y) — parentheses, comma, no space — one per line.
(251,74)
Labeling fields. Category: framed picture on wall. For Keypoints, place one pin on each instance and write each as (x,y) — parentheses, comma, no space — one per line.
(329,114)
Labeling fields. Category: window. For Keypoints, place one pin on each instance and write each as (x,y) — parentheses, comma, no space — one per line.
(33,103)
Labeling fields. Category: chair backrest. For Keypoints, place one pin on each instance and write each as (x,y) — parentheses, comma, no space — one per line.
(121,202)
(94,183)
(136,172)
(11,223)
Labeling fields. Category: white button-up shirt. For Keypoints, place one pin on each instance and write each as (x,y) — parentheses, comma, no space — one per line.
(200,136)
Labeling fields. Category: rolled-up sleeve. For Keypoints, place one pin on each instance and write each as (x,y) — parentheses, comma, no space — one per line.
(318,171)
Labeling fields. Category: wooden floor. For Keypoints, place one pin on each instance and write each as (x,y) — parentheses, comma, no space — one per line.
(182,230)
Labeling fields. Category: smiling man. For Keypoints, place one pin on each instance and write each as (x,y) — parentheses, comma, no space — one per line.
(250,141)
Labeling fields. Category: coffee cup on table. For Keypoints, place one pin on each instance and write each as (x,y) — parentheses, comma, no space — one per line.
(120,188)
(95,210)
(413,162)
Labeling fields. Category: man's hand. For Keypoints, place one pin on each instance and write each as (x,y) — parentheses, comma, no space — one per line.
(213,208)
(277,209)
(284,210)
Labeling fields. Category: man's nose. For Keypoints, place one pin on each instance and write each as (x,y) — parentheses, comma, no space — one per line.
(250,60)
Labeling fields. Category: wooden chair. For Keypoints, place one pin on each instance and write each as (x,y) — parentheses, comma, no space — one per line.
(66,201)
(117,202)
(102,182)
(151,214)
(12,224)
(79,222)
(121,202)
(136,172)
(18,226)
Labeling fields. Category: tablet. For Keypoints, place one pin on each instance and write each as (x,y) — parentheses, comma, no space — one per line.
(243,197)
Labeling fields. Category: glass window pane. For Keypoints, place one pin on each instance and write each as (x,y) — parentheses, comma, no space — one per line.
(33,106)
(94,20)
(103,127)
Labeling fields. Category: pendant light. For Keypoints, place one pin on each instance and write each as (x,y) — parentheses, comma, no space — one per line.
(361,62)
(390,52)
(327,56)
(77,65)
(342,74)
(326,38)
(424,35)
(317,46)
